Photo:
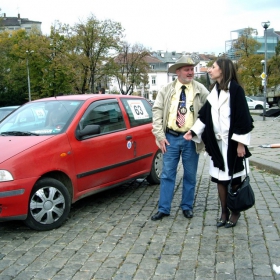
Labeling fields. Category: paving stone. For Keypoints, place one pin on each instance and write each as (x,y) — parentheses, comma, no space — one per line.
(111,236)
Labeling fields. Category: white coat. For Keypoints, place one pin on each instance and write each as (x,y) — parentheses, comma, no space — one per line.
(220,110)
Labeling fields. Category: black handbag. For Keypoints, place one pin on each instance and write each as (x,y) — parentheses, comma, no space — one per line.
(243,198)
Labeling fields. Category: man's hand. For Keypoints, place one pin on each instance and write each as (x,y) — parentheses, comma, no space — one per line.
(163,144)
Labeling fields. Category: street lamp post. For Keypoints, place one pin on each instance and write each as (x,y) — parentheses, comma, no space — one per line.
(28,78)
(265,25)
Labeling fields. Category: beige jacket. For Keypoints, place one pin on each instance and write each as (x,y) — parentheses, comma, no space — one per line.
(162,104)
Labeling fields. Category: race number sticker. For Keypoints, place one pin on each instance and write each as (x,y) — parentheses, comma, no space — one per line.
(138,109)
(40,113)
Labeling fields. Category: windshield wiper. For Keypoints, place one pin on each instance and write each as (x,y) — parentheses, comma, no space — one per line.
(19,133)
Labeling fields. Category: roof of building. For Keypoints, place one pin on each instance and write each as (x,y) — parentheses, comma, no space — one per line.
(172,57)
(16,21)
(151,59)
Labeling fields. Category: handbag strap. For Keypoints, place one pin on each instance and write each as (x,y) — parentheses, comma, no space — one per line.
(234,167)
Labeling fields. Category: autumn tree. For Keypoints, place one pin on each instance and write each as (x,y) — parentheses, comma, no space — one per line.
(132,67)
(95,42)
(59,73)
(248,64)
(249,70)
(246,45)
(273,68)
(13,78)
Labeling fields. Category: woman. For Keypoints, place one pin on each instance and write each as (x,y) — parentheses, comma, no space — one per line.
(224,125)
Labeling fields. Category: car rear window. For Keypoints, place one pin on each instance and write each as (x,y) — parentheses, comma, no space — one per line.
(139,111)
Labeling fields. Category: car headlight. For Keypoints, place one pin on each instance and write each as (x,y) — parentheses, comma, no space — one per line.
(5,176)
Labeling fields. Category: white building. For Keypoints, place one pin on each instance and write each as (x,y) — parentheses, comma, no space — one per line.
(159,63)
(16,23)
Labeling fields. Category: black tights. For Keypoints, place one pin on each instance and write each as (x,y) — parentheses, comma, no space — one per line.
(222,191)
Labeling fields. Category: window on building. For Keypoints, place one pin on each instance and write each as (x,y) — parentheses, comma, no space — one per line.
(154,80)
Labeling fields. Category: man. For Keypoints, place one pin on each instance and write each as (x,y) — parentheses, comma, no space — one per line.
(174,112)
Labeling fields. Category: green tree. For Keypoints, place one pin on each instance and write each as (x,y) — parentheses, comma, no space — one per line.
(248,65)
(249,71)
(95,42)
(273,68)
(59,73)
(246,45)
(13,80)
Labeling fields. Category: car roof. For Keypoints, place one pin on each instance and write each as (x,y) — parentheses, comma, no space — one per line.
(84,97)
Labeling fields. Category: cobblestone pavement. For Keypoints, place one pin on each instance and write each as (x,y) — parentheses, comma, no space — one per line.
(111,236)
(266,132)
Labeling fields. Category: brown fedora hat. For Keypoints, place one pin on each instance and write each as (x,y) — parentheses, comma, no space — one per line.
(184,60)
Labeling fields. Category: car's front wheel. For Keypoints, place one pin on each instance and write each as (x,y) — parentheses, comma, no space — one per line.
(258,107)
(154,176)
(49,205)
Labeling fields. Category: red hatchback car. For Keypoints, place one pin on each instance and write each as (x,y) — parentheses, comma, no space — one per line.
(58,150)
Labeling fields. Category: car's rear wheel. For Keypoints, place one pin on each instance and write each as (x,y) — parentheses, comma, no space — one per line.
(49,205)
(154,176)
(258,107)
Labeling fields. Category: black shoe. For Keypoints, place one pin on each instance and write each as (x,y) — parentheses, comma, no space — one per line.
(188,213)
(221,223)
(158,216)
(230,224)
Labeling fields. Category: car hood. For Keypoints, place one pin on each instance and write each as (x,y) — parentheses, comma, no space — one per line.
(12,145)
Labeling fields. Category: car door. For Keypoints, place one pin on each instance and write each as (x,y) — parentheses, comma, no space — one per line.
(105,158)
(250,103)
(139,112)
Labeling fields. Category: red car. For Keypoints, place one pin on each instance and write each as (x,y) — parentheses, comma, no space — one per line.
(58,150)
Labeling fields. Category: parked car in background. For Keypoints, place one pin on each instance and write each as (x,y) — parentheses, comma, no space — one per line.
(255,104)
(258,98)
(61,149)
(5,111)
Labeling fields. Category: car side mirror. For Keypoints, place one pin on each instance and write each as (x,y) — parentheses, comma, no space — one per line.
(89,130)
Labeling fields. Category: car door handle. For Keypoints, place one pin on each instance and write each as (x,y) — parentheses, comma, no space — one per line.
(128,137)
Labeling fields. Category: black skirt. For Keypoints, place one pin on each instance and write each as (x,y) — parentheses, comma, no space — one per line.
(235,181)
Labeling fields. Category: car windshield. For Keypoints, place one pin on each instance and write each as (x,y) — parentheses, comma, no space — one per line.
(40,118)
(5,111)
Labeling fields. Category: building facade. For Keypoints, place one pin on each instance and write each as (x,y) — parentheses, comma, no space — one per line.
(159,62)
(16,23)
(272,37)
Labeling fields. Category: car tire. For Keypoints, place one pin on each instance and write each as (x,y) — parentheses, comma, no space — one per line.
(258,107)
(154,176)
(49,205)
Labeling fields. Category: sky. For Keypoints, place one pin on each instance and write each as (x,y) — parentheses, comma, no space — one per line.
(183,26)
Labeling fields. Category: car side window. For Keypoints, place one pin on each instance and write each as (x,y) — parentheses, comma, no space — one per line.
(139,111)
(106,114)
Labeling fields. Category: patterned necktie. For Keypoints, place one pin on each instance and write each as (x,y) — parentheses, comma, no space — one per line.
(180,121)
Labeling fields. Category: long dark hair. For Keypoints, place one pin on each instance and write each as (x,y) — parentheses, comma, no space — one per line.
(228,71)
